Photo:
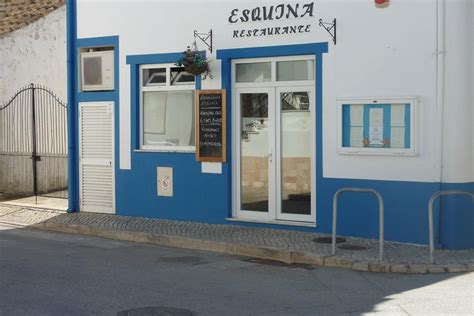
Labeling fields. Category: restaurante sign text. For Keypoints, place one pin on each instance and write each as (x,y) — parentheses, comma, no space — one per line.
(272,13)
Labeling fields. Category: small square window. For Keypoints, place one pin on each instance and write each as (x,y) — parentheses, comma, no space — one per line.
(253,72)
(180,77)
(154,77)
(295,70)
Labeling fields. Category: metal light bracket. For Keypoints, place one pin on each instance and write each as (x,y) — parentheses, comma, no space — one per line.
(206,38)
(330,28)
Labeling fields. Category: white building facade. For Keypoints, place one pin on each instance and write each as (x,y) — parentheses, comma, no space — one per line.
(383,100)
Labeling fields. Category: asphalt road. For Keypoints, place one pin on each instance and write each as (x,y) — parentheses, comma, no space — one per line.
(45,273)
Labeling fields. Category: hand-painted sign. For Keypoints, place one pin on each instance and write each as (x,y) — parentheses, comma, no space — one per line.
(272,13)
(211,125)
(268,13)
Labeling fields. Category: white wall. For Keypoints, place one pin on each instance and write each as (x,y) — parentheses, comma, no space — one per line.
(35,54)
(458,140)
(383,53)
(387,52)
(472,92)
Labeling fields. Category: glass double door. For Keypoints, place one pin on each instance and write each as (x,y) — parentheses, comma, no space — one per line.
(275,153)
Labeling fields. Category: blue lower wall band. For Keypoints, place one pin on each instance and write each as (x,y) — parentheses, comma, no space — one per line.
(205,198)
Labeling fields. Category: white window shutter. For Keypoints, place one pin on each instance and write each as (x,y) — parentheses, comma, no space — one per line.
(97,157)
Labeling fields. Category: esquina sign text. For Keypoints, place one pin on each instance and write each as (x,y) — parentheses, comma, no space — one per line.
(272,13)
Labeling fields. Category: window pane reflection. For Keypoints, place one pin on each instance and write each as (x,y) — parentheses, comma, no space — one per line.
(254,151)
(253,72)
(295,153)
(295,70)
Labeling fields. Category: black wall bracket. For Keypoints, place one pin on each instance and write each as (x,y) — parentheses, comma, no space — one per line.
(330,28)
(206,38)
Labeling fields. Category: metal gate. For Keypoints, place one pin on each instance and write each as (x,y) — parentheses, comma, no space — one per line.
(33,144)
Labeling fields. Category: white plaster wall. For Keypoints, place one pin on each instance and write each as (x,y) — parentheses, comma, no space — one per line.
(458,158)
(380,53)
(472,92)
(383,53)
(35,54)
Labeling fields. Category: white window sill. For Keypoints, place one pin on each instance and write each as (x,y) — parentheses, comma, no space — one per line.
(376,151)
(182,151)
(271,222)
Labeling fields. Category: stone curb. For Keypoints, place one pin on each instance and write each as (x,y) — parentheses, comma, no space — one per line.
(282,255)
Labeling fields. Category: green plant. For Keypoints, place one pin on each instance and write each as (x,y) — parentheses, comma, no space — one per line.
(194,63)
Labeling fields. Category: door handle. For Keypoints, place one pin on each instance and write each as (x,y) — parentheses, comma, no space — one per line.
(270,156)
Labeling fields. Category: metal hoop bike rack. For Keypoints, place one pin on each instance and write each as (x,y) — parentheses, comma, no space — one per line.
(430,214)
(381,216)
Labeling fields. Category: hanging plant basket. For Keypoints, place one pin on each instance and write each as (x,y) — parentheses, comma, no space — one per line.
(194,63)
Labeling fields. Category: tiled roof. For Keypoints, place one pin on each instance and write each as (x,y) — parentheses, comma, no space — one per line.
(15,14)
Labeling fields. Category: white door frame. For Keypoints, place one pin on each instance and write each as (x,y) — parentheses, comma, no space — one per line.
(236,112)
(112,163)
(274,214)
(278,157)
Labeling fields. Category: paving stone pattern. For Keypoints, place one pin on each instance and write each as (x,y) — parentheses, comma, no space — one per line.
(401,257)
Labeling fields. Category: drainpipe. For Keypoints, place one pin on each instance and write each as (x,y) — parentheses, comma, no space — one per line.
(440,53)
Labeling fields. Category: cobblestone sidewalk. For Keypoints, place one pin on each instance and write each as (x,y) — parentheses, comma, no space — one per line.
(281,245)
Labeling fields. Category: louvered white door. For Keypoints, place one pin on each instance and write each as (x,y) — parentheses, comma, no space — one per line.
(96,157)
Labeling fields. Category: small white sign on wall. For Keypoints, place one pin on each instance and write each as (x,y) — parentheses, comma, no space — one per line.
(211,167)
(165,181)
(376,127)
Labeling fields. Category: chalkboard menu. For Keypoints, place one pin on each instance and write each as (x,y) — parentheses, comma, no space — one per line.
(211,125)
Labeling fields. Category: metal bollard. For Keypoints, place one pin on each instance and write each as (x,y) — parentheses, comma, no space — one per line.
(381,217)
(430,214)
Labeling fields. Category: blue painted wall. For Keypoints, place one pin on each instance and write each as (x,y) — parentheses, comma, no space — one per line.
(71,37)
(457,217)
(196,196)
(113,96)
(75,96)
(207,197)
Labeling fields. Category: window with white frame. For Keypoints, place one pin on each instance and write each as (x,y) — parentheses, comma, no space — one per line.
(300,68)
(166,108)
(382,126)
